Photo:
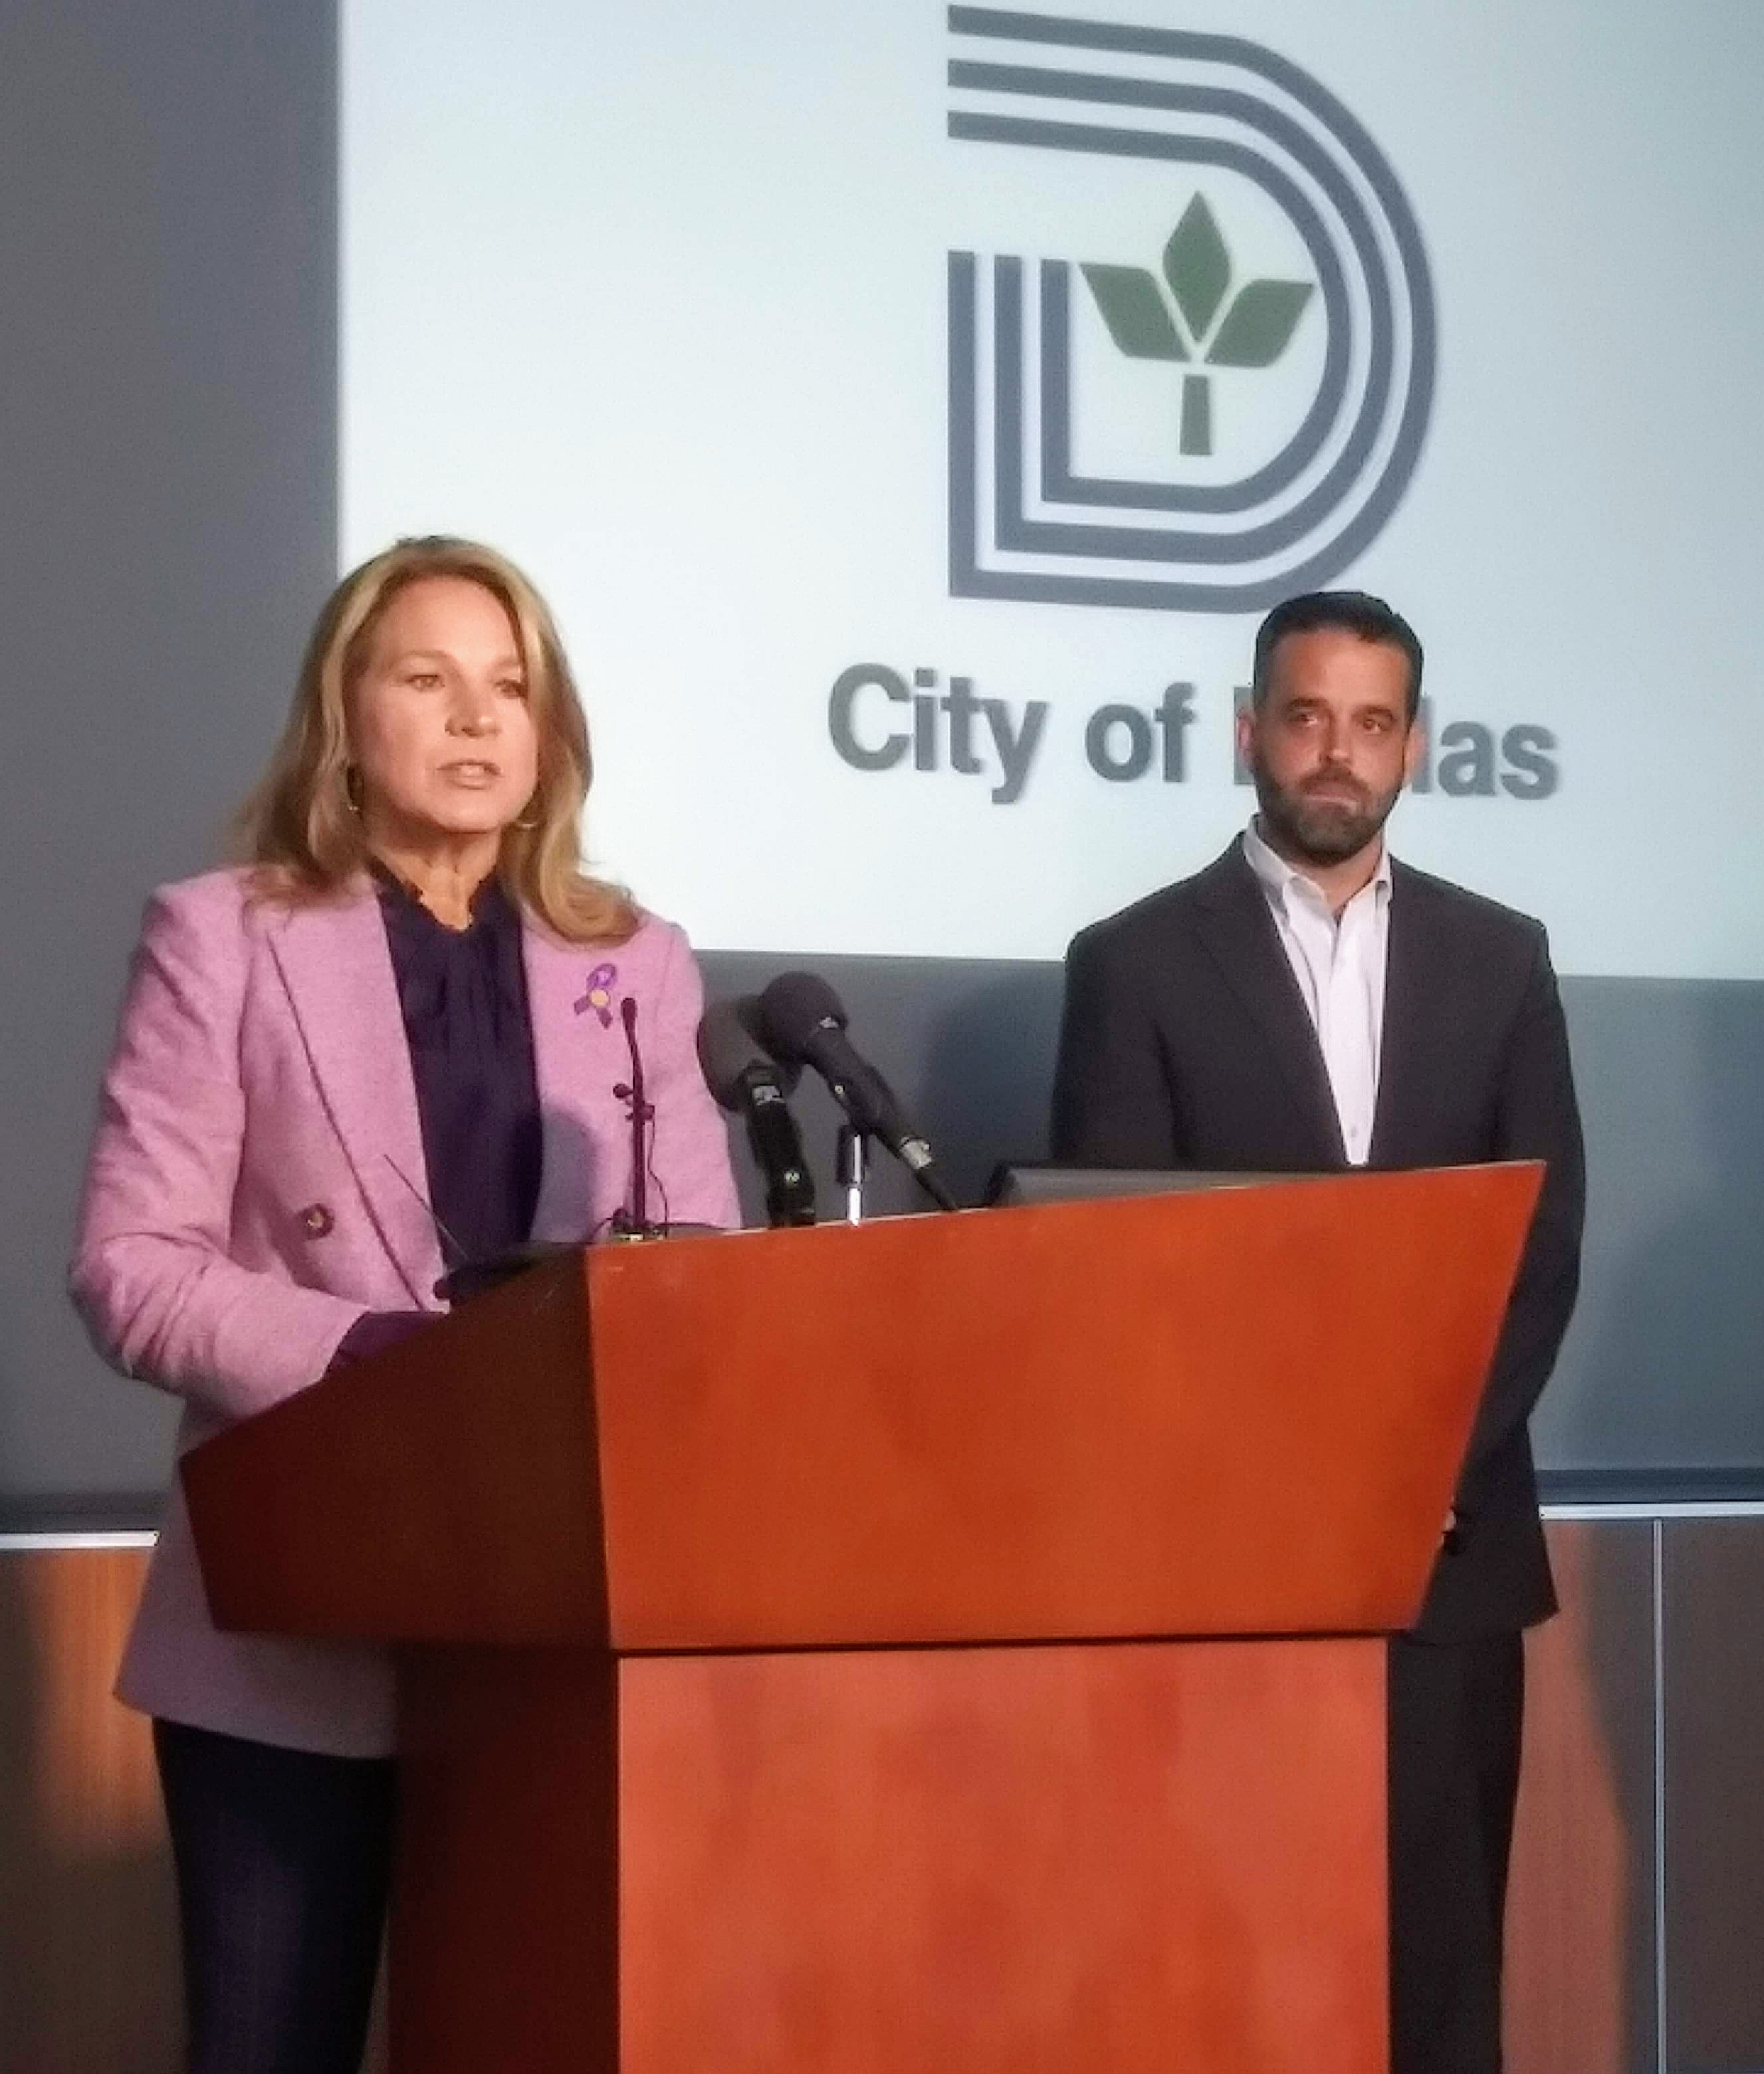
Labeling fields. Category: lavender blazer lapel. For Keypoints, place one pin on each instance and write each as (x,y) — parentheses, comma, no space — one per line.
(337,968)
(578,1048)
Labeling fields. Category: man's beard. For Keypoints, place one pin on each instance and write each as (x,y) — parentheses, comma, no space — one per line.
(1321,832)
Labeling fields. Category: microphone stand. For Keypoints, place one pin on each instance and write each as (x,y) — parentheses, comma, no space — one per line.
(852,1159)
(634,1223)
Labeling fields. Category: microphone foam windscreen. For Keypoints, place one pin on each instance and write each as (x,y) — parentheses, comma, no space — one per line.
(727,1049)
(793,1006)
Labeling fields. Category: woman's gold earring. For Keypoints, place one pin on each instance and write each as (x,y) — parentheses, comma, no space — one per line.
(352,788)
(527,827)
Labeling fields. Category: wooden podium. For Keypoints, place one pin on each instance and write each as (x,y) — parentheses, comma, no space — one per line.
(949,1644)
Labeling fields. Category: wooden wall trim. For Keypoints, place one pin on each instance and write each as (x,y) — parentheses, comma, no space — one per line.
(89,1953)
(88,1979)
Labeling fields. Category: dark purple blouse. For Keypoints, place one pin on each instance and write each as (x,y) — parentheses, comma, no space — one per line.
(464,996)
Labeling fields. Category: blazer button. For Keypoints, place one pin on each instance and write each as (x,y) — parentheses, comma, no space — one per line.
(316,1221)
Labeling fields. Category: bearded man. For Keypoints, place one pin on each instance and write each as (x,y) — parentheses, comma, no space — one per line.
(1307,1004)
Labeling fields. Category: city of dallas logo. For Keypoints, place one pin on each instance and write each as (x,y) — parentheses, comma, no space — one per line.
(1290,404)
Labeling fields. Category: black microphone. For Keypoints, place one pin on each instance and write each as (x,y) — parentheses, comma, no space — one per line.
(750,1083)
(802,1022)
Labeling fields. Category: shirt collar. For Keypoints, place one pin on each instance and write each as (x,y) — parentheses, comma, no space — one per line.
(490,904)
(1281,881)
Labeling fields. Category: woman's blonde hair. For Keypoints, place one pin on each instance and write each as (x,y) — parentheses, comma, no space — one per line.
(299,829)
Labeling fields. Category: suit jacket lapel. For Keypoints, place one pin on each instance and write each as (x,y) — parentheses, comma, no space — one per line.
(1418,974)
(336,964)
(1238,931)
(561,980)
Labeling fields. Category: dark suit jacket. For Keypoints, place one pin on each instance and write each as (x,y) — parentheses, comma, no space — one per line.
(1186,1043)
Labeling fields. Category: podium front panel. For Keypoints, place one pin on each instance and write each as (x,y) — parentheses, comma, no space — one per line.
(1128,1858)
(1239,1412)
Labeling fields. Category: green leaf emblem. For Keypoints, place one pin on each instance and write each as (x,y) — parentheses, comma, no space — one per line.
(1260,324)
(1133,311)
(1255,329)
(1198,267)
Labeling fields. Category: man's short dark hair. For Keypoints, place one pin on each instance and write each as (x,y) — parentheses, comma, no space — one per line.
(1350,612)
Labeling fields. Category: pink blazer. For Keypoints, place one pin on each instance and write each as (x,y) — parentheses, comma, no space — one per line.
(243,1207)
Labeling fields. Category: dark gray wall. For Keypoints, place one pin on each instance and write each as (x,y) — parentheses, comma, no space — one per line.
(167,490)
(168,443)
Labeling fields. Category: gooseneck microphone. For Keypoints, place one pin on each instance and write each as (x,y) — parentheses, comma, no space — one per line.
(632,1222)
(802,1022)
(748,1082)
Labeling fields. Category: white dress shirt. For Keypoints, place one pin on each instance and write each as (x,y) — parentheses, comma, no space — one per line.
(1339,962)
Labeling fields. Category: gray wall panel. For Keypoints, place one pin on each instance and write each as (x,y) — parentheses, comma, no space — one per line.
(1664,1366)
(168,453)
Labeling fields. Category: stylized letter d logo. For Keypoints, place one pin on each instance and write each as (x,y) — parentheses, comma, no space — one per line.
(1222,415)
